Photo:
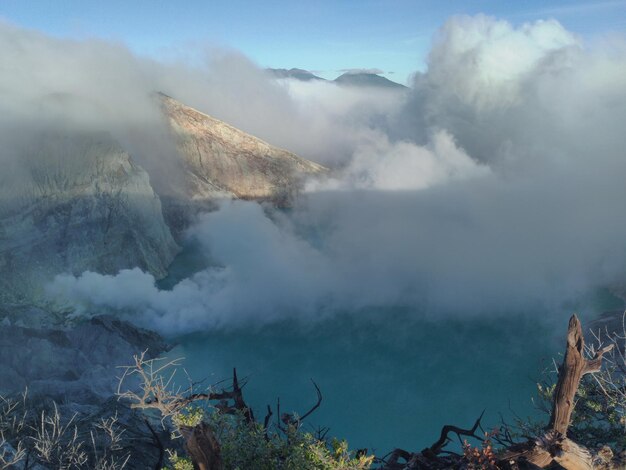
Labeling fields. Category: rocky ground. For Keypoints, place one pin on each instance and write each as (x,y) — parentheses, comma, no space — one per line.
(75,369)
(71,364)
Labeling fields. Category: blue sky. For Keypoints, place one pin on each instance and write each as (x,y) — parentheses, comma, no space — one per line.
(324,36)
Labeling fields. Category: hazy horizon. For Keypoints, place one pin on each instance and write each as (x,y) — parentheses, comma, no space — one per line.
(392,37)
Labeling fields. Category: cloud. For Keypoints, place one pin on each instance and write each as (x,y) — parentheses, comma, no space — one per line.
(494,183)
(380,164)
(97,85)
(516,111)
(485,63)
(358,71)
(242,240)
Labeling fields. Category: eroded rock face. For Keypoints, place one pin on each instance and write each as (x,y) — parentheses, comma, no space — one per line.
(78,203)
(75,201)
(78,363)
(222,161)
(74,370)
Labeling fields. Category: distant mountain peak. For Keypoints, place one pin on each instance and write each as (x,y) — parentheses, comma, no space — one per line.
(352,77)
(298,74)
(366,79)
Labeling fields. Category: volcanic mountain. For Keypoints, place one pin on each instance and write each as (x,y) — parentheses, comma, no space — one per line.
(298,74)
(367,80)
(77,201)
(348,79)
(80,203)
(221,160)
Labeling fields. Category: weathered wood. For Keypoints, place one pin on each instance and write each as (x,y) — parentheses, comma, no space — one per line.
(528,452)
(431,458)
(203,448)
(572,456)
(564,452)
(437,447)
(570,373)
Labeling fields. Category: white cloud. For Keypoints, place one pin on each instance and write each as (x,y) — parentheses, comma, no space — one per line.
(378,163)
(358,71)
(484,62)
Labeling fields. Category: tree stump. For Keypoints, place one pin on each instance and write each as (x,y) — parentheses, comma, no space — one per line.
(203,448)
(554,446)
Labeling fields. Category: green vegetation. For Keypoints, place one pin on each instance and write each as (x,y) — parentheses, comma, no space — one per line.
(247,446)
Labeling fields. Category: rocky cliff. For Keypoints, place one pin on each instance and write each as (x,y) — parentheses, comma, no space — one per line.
(75,201)
(223,161)
(78,203)
(81,360)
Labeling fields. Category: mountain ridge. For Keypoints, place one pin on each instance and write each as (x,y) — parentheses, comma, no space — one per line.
(359,79)
(223,161)
(363,79)
(79,202)
(298,74)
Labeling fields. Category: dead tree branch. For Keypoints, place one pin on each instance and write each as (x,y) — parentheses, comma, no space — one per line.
(294,419)
(574,367)
(554,446)
(438,446)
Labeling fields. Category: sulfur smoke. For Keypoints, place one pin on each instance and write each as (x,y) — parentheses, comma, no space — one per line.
(494,182)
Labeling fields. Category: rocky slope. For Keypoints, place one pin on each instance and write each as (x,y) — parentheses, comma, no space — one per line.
(78,203)
(223,161)
(75,370)
(74,200)
(81,361)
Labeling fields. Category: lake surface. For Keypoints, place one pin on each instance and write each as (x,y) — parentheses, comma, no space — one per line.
(387,380)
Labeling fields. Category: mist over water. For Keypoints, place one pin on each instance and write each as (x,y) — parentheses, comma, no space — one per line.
(389,377)
(345,252)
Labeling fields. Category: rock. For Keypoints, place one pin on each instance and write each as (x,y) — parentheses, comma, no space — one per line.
(29,316)
(80,204)
(221,161)
(77,364)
